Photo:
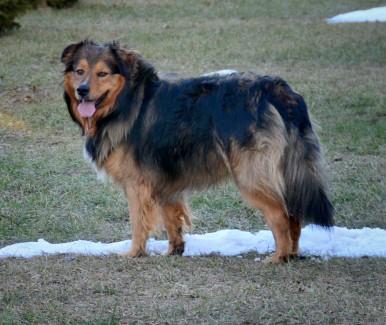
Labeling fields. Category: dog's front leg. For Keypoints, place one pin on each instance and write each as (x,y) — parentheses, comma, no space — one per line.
(143,215)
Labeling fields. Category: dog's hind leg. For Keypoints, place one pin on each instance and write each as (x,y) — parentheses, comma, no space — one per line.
(144,212)
(295,230)
(277,220)
(176,215)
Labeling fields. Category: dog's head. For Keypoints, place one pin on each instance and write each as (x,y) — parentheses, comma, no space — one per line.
(94,77)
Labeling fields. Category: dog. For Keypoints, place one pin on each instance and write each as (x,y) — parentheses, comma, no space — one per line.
(159,140)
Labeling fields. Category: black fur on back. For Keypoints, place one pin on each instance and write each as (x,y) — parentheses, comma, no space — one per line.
(193,115)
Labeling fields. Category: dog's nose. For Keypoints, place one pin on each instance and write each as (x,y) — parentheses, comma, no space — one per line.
(83,90)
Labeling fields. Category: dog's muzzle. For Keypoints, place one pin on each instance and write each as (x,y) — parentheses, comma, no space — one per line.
(83,90)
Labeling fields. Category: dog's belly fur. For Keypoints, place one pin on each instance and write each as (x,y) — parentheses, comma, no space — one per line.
(124,170)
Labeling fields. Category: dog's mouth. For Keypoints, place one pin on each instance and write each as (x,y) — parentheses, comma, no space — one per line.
(87,108)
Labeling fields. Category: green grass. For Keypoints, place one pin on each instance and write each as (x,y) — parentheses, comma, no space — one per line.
(47,190)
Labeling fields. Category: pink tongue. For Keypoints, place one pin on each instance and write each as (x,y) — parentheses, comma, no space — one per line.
(86,109)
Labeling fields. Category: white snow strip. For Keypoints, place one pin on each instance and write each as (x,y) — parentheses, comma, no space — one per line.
(360,16)
(221,73)
(314,241)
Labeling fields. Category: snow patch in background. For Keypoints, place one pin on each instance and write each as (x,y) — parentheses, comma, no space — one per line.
(360,16)
(220,73)
(314,241)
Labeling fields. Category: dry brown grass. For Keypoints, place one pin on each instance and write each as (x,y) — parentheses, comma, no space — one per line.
(171,290)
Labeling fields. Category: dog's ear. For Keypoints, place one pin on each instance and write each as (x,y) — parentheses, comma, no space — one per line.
(135,67)
(140,68)
(69,52)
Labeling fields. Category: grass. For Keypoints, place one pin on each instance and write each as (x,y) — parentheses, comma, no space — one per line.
(104,290)
(47,190)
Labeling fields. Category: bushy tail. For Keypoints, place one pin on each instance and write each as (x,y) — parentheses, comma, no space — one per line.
(305,183)
(305,193)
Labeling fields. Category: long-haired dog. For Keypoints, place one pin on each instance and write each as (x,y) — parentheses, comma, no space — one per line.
(160,140)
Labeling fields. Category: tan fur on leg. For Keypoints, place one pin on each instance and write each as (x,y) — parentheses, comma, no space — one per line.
(176,215)
(278,222)
(144,212)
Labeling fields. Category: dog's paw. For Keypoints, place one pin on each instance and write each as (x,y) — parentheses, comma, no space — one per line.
(275,259)
(176,249)
(134,253)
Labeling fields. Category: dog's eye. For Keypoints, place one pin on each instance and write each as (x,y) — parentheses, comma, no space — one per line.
(102,74)
(79,72)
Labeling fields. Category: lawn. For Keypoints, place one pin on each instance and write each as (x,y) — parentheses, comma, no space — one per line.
(48,191)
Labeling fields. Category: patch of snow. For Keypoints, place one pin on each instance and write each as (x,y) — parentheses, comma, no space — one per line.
(314,241)
(221,73)
(360,16)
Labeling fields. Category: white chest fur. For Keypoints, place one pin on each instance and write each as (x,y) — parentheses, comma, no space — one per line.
(101,173)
